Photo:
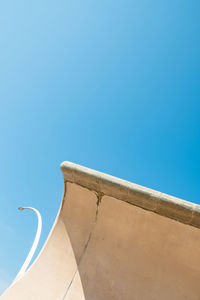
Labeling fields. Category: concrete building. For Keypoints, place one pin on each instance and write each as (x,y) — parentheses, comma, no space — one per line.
(113,239)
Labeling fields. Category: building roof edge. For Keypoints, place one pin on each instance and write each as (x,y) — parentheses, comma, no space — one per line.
(157,202)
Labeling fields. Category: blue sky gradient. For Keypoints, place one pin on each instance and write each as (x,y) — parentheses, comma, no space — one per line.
(111,85)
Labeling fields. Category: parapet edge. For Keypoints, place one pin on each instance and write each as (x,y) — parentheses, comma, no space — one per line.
(157,202)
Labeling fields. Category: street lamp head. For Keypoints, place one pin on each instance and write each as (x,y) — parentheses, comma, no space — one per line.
(21,208)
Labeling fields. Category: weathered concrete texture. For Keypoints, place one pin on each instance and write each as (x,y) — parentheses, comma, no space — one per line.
(108,243)
(163,204)
(135,254)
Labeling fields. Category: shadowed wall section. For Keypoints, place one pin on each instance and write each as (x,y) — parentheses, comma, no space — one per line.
(115,240)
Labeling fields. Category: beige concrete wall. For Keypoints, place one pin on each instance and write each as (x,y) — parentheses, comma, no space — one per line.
(104,248)
(51,274)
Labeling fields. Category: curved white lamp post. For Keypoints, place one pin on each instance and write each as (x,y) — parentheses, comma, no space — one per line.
(35,243)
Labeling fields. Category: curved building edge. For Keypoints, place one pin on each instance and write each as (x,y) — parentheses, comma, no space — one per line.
(163,204)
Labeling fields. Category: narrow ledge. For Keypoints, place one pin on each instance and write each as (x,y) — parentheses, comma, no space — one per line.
(157,202)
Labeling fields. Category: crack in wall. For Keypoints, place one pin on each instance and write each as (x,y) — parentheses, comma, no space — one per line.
(98,203)
(64,195)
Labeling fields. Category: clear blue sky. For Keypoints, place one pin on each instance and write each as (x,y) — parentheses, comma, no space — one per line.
(111,85)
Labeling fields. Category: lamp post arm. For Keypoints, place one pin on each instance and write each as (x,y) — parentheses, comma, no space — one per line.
(34,245)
